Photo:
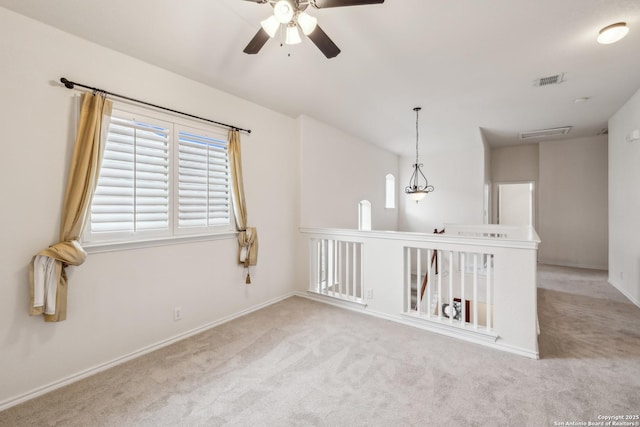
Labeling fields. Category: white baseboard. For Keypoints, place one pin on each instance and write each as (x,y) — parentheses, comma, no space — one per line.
(6,404)
(332,300)
(623,291)
(574,265)
(492,343)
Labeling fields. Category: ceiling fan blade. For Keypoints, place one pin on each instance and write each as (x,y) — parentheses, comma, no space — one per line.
(257,1)
(322,4)
(257,42)
(324,43)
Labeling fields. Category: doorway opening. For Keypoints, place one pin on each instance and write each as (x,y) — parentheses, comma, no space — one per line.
(516,203)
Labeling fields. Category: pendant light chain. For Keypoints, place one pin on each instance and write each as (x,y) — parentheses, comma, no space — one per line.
(417,110)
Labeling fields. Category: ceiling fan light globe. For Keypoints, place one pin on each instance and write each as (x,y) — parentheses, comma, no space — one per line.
(307,23)
(270,25)
(293,35)
(283,11)
(613,33)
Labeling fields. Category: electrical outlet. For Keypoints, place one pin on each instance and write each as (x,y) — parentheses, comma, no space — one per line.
(177,314)
(369,293)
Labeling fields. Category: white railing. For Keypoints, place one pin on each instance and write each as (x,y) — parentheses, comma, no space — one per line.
(479,281)
(450,286)
(336,269)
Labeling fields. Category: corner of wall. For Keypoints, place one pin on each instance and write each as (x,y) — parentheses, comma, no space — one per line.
(624,200)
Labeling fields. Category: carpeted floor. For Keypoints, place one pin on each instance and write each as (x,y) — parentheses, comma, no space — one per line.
(303,363)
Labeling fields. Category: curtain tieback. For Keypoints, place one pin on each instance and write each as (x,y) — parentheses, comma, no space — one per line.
(47,278)
(68,252)
(248,254)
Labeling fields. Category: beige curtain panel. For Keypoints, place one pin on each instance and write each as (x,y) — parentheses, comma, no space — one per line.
(247,236)
(47,278)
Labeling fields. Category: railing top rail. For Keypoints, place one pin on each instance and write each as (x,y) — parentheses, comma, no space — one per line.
(466,235)
(494,231)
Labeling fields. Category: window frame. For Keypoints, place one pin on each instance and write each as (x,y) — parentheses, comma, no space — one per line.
(389,191)
(94,242)
(364,215)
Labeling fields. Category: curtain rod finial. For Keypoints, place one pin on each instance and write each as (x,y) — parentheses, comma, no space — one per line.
(67,83)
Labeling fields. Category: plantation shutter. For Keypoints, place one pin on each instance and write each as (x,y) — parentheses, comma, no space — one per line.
(132,194)
(203,179)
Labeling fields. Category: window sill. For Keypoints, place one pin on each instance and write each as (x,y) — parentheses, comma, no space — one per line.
(95,248)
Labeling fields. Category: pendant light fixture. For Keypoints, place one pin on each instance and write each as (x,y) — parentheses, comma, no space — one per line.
(418,185)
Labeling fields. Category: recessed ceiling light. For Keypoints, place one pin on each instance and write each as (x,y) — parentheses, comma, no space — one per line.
(613,33)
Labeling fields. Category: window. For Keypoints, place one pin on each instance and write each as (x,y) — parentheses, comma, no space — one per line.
(364,215)
(203,180)
(390,192)
(159,179)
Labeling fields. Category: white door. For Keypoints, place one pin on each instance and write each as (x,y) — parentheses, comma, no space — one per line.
(516,203)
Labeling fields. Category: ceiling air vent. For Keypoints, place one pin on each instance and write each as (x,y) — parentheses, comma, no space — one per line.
(545,133)
(604,131)
(549,80)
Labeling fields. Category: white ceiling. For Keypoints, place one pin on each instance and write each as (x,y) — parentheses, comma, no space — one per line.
(470,64)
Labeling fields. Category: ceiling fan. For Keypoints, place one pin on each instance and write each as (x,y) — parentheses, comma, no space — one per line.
(293,16)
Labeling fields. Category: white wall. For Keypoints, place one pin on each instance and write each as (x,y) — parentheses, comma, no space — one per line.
(624,201)
(338,170)
(120,302)
(518,163)
(515,163)
(571,196)
(573,216)
(458,178)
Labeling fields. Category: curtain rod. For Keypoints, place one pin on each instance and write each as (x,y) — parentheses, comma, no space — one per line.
(70,85)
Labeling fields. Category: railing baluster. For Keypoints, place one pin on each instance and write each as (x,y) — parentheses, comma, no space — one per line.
(336,265)
(334,268)
(361,284)
(451,286)
(328,275)
(429,281)
(326,267)
(340,266)
(439,269)
(489,284)
(418,274)
(347,268)
(475,290)
(313,266)
(355,271)
(407,272)
(320,265)
(462,290)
